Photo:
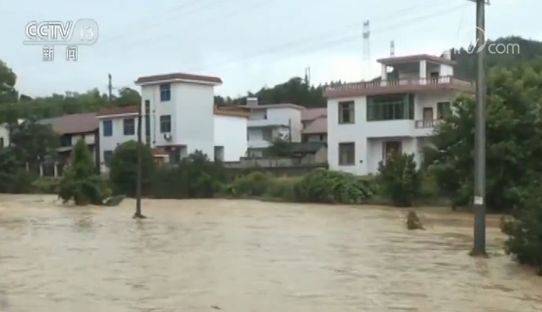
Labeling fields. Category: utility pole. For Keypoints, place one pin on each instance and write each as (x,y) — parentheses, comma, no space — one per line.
(137,214)
(479,248)
(110,88)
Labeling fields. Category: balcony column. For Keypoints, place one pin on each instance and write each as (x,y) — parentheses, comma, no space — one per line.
(384,74)
(423,72)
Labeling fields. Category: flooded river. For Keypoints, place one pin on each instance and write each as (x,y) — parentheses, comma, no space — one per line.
(240,255)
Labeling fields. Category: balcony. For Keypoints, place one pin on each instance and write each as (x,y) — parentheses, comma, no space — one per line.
(426,124)
(380,87)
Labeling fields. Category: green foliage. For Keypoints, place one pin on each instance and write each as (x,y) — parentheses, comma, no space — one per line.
(123,173)
(7,84)
(46,185)
(279,148)
(13,178)
(327,186)
(514,133)
(127,97)
(194,177)
(80,182)
(525,233)
(33,143)
(253,184)
(413,222)
(282,188)
(399,179)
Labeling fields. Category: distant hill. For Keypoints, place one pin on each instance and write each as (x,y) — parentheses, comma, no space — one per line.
(528,51)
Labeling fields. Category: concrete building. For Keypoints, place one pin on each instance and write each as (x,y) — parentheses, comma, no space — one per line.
(117,125)
(314,125)
(271,122)
(369,121)
(179,117)
(178,111)
(4,135)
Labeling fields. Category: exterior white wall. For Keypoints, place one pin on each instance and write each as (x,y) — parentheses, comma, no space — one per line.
(4,134)
(191,110)
(231,133)
(446,70)
(368,136)
(110,143)
(279,118)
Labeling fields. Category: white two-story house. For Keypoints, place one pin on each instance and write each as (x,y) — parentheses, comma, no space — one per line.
(369,121)
(178,118)
(271,122)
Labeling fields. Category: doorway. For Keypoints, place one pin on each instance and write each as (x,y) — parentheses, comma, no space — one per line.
(427,117)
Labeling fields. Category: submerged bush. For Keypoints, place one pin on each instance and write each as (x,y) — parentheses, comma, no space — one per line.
(253,184)
(194,177)
(327,186)
(80,182)
(399,179)
(123,173)
(525,233)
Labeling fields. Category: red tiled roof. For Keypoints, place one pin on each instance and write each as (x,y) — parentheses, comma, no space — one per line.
(72,124)
(318,125)
(232,111)
(313,113)
(177,76)
(119,110)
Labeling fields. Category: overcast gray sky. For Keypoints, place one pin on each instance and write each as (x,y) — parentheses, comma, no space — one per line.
(248,43)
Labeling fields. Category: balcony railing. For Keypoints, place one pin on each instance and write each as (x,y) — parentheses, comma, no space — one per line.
(424,124)
(411,84)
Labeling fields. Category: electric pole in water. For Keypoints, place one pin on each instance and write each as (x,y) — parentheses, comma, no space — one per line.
(480,135)
(138,214)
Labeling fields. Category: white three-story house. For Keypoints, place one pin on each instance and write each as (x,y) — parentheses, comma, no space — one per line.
(369,121)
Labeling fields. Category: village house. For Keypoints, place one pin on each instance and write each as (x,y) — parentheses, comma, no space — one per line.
(369,121)
(314,124)
(271,122)
(4,135)
(179,118)
(71,128)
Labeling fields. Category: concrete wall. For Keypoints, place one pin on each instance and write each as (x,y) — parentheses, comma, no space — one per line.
(368,136)
(281,118)
(4,134)
(231,132)
(110,143)
(191,111)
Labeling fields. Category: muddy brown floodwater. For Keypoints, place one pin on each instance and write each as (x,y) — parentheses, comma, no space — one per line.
(242,255)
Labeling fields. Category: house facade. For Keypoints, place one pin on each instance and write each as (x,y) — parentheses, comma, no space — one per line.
(271,122)
(370,121)
(71,129)
(314,125)
(116,126)
(178,118)
(178,110)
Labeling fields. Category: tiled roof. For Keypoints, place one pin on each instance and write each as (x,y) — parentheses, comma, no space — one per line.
(232,111)
(318,125)
(177,76)
(119,110)
(72,124)
(313,113)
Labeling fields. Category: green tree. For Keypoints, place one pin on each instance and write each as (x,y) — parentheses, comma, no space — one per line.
(80,182)
(399,179)
(127,97)
(32,143)
(8,94)
(13,177)
(525,232)
(123,174)
(279,148)
(514,133)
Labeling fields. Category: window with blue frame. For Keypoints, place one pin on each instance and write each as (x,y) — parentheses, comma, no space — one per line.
(165,92)
(108,128)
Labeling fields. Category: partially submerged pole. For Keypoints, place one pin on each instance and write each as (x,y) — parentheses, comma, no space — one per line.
(138,214)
